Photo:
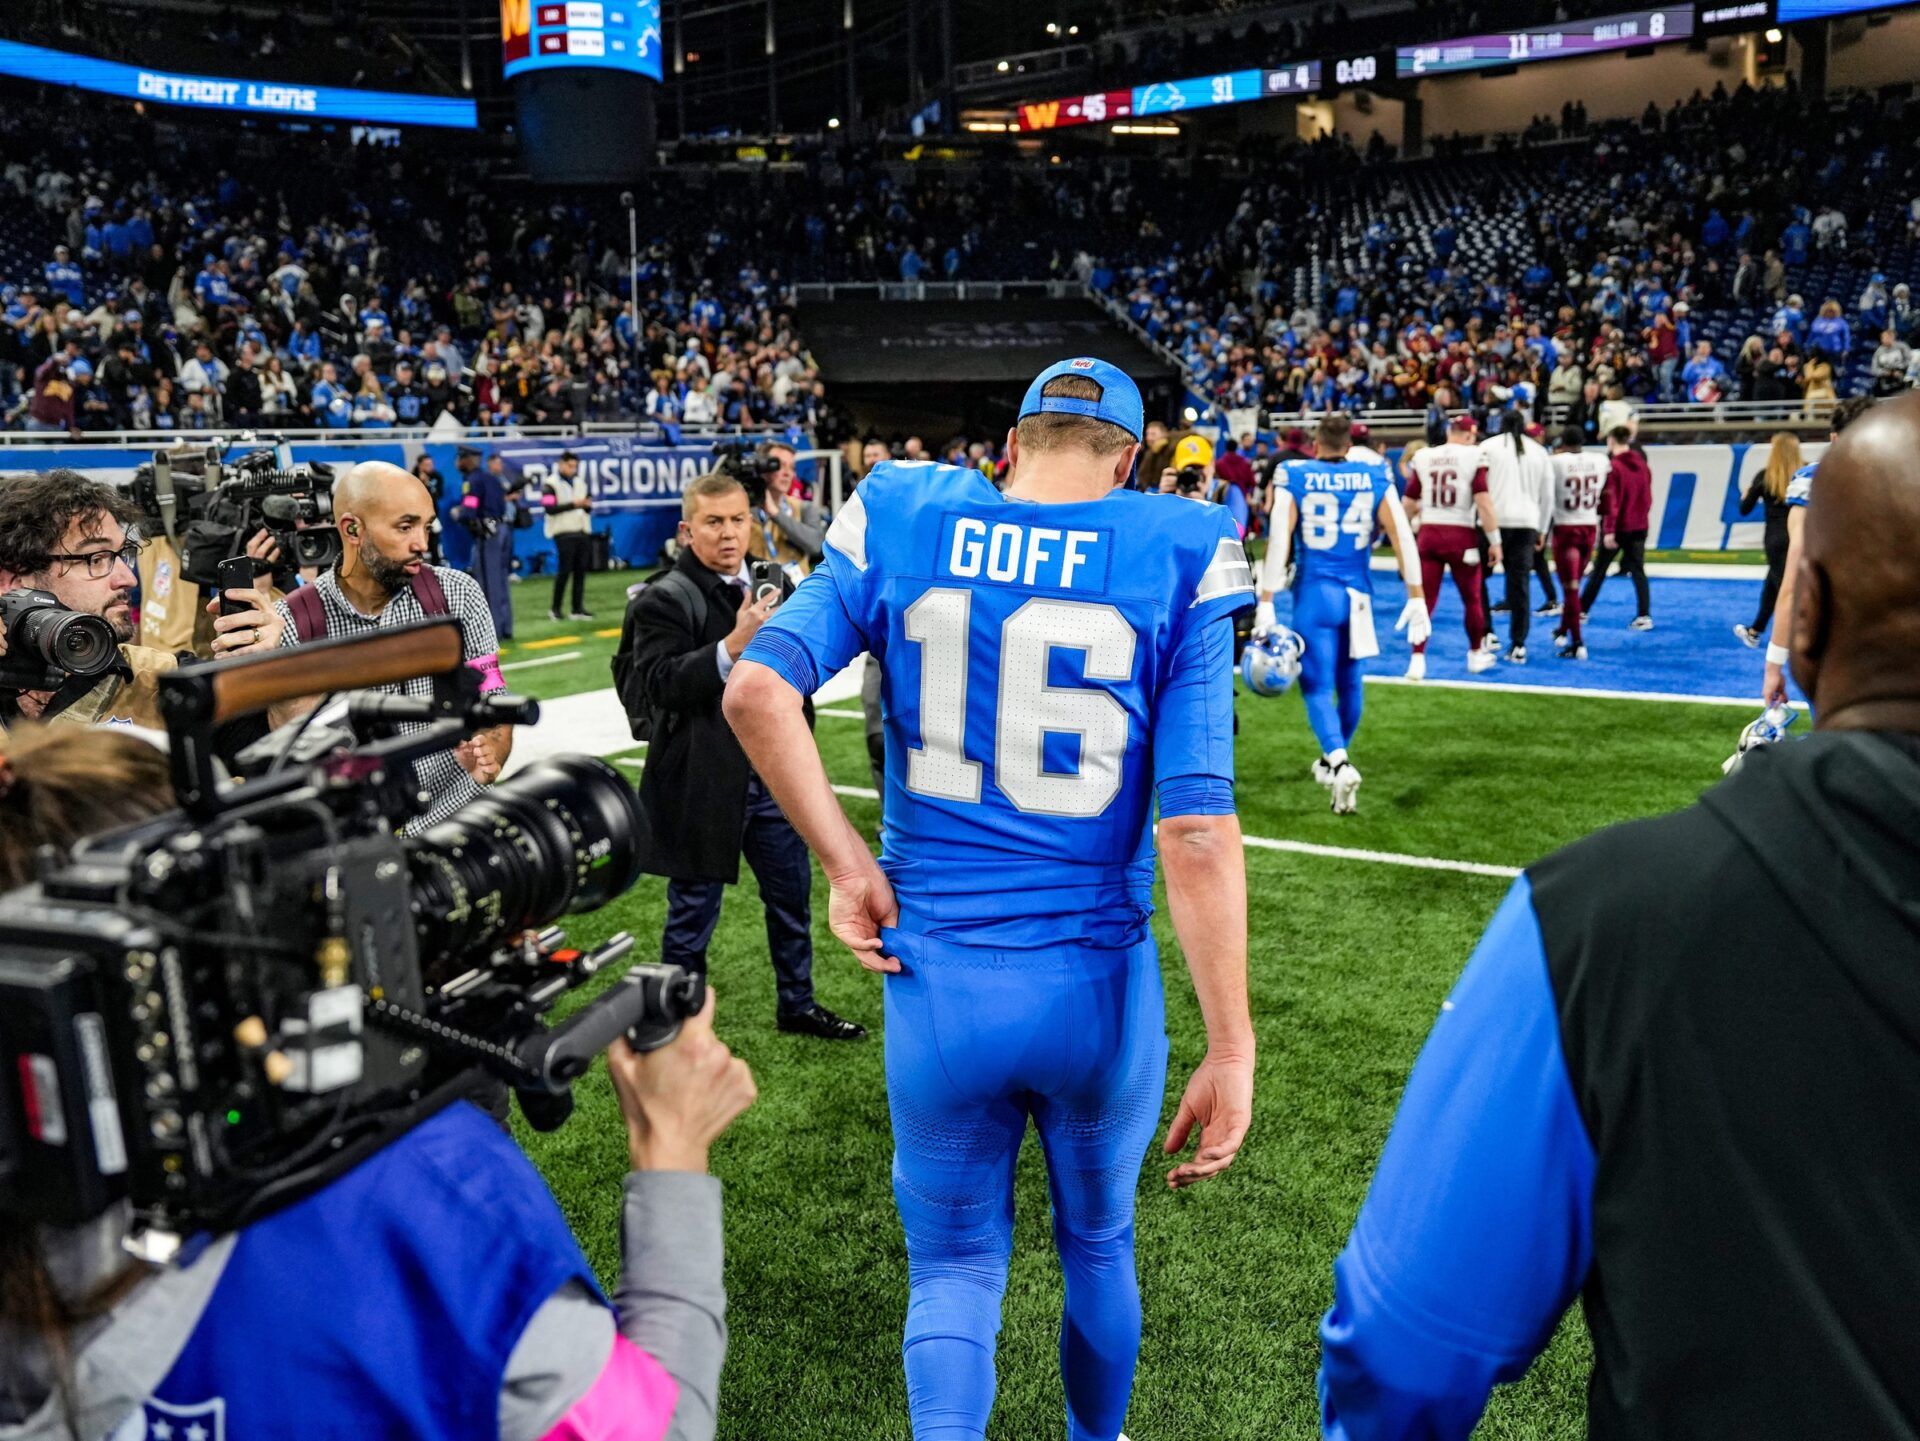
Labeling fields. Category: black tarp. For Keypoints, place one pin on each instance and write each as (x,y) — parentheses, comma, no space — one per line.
(965,342)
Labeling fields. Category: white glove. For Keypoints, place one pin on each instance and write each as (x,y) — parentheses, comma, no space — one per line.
(1263,620)
(1414,620)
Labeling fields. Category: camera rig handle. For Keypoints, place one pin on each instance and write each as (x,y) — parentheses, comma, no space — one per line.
(647,1006)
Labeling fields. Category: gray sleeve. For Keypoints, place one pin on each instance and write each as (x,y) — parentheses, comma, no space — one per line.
(670,1303)
(808,530)
(670,1298)
(555,1362)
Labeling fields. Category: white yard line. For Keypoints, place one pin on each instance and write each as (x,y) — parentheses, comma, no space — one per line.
(542,660)
(1583,692)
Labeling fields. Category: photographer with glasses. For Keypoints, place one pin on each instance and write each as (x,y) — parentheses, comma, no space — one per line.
(67,536)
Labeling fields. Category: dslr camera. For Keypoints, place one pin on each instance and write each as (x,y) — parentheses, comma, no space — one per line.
(745,464)
(210,504)
(1191,481)
(47,643)
(211,1014)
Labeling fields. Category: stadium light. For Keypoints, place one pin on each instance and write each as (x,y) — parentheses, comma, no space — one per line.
(1053,27)
(988,127)
(1001,67)
(1191,414)
(833,122)
(1774,37)
(1073,30)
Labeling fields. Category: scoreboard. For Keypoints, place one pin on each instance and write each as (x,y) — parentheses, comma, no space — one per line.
(1546,42)
(1164,97)
(559,34)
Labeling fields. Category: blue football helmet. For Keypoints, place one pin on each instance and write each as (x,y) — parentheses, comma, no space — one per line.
(1271,661)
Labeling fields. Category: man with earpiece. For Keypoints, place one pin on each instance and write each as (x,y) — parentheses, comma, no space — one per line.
(381,580)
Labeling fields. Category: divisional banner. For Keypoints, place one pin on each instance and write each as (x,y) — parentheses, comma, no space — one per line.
(635,489)
(945,342)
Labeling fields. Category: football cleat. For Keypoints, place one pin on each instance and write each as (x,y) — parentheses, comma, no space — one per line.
(1271,661)
(1517,655)
(1552,607)
(1480,660)
(1749,637)
(1490,643)
(1577,652)
(1640,622)
(1417,667)
(1345,786)
(1323,771)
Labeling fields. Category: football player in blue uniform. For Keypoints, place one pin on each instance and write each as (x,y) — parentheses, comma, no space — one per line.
(1053,658)
(1324,513)
(1773,683)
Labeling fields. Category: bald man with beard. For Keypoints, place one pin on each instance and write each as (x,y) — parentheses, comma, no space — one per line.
(1679,1078)
(382,579)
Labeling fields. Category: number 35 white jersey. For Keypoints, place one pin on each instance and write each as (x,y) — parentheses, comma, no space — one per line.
(1579,478)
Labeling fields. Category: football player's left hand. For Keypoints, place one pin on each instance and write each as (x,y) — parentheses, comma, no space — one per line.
(861,903)
(1414,620)
(1219,1099)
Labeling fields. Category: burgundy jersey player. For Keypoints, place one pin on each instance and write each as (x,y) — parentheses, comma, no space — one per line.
(1457,530)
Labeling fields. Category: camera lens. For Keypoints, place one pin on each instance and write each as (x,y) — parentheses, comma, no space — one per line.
(66,640)
(563,835)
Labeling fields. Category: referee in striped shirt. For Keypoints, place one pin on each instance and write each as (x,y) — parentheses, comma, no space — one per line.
(385,517)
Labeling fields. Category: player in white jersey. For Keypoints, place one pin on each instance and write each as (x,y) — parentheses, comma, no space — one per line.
(1457,529)
(1579,477)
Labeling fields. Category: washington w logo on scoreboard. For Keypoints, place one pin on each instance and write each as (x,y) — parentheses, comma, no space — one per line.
(516,30)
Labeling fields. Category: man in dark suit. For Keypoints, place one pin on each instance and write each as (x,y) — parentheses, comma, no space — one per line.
(704,804)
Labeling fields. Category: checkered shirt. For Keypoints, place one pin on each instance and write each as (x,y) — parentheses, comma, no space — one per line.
(447,785)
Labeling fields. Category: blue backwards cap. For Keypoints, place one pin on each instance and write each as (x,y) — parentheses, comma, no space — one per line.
(1119,402)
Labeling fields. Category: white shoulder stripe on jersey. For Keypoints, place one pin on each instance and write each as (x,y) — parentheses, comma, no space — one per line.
(1226,573)
(848,533)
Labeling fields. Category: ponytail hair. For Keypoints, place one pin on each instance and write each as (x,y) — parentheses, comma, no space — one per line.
(1513,423)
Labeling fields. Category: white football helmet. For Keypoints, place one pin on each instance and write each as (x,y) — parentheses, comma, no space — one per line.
(1271,661)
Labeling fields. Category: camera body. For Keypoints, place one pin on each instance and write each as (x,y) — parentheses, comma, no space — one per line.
(746,465)
(212,1013)
(46,642)
(211,506)
(1191,481)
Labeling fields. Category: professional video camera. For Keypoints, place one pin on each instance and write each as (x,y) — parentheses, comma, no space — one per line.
(745,464)
(210,506)
(47,643)
(213,1013)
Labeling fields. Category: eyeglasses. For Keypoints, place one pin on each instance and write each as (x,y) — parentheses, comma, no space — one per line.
(99,563)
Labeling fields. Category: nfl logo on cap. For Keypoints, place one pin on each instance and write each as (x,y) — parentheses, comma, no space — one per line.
(1118,403)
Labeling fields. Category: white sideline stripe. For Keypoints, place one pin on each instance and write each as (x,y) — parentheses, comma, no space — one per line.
(542,660)
(1514,688)
(1305,848)
(842,714)
(1383,858)
(1658,569)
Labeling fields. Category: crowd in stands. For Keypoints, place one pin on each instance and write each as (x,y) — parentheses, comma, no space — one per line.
(1744,246)
(1751,245)
(196,288)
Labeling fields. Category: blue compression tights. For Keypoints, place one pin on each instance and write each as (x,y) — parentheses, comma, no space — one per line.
(1330,683)
(978,1041)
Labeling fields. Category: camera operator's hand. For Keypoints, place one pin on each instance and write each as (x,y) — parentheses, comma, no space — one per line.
(678,1099)
(752,616)
(479,756)
(264,548)
(1168,479)
(247,632)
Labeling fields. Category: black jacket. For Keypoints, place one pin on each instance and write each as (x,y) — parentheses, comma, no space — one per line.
(694,787)
(1740,1015)
(1775,536)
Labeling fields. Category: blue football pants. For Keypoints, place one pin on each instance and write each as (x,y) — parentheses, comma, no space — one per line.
(977,1041)
(1330,683)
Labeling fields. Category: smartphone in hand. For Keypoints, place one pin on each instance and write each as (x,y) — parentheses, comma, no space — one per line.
(234,573)
(766,576)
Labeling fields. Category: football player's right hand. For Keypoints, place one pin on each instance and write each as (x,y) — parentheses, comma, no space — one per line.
(861,903)
(1263,620)
(1773,685)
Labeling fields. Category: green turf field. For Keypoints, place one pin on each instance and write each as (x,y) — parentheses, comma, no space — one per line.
(1349,960)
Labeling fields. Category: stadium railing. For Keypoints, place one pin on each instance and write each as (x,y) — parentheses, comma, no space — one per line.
(27,440)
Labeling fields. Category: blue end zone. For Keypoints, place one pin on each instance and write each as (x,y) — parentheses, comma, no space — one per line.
(1691,650)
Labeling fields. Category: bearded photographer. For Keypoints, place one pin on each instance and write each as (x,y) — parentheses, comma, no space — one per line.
(433,1290)
(381,580)
(68,536)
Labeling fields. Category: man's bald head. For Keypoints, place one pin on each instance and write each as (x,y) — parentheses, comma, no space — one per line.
(1856,628)
(377,491)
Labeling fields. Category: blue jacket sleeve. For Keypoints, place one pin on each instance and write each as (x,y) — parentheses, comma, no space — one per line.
(1193,725)
(1477,1232)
